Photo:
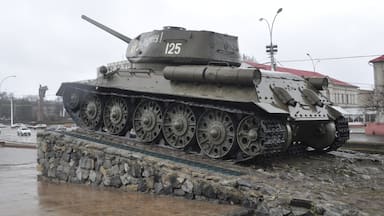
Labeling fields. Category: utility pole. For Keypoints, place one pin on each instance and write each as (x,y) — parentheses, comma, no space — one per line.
(11,111)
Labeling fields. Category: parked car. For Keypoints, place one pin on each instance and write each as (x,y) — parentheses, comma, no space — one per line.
(3,125)
(23,131)
(61,128)
(40,126)
(17,125)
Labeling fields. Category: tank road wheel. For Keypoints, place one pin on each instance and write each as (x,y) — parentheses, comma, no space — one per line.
(116,116)
(216,133)
(147,120)
(179,125)
(249,136)
(91,112)
(72,99)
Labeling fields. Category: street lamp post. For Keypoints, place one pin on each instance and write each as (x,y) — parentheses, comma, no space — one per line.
(313,62)
(1,82)
(11,111)
(271,49)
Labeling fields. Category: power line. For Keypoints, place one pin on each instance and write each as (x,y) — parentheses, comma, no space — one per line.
(330,58)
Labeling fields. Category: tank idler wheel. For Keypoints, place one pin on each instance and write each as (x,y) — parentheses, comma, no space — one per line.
(72,99)
(249,136)
(116,116)
(179,125)
(91,112)
(148,120)
(216,133)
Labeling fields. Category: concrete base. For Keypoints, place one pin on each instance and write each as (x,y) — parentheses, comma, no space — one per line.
(375,129)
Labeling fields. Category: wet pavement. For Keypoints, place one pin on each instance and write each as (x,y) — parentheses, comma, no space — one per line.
(22,194)
(362,138)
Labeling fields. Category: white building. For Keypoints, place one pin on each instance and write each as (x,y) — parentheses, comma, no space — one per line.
(378,71)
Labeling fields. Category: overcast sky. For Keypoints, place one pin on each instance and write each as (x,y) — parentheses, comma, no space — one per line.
(46,42)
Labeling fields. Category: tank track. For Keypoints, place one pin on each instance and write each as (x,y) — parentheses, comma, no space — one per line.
(342,133)
(274,140)
(273,135)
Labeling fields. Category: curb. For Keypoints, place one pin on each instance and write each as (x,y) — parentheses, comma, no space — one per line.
(17,145)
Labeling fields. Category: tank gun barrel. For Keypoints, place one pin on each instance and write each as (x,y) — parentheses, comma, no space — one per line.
(107,29)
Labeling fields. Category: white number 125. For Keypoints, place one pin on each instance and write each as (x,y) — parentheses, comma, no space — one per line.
(173,48)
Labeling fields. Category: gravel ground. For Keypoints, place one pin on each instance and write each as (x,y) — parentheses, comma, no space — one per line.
(341,182)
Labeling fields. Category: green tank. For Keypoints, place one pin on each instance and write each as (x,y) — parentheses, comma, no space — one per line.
(187,87)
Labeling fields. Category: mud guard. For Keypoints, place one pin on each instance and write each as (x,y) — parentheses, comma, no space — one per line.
(336,111)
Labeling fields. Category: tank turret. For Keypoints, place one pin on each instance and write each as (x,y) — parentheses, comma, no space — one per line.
(176,46)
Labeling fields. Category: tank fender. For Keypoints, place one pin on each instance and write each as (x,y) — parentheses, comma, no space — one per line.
(269,108)
(336,111)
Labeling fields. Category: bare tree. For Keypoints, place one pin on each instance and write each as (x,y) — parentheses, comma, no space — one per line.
(245,57)
(375,102)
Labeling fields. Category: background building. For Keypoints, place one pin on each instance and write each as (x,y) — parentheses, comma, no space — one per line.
(378,96)
(378,71)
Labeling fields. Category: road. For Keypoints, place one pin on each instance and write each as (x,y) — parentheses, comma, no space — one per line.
(10,135)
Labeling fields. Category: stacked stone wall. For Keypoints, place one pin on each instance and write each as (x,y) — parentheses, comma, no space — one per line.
(66,159)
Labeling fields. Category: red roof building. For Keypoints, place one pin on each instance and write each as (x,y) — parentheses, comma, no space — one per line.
(302,73)
(378,59)
(378,73)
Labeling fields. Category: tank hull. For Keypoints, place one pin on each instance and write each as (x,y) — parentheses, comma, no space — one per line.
(221,118)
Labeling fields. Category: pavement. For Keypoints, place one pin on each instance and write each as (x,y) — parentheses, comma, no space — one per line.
(359,141)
